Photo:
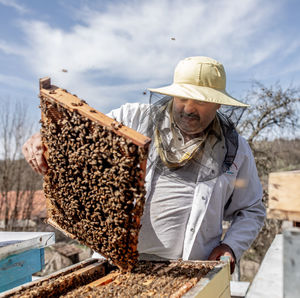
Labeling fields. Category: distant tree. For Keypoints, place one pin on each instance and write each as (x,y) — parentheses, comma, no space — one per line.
(274,113)
(17,181)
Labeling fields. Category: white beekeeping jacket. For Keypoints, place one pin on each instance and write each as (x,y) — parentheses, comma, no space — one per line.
(214,200)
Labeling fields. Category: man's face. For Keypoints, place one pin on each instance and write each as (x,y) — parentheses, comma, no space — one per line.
(193,116)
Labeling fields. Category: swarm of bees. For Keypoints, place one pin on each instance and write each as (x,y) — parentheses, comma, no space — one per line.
(149,279)
(93,182)
(55,287)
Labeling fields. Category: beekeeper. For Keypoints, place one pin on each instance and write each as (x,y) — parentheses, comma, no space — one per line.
(200,171)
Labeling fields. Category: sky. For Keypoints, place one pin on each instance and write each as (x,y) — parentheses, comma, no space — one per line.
(110,52)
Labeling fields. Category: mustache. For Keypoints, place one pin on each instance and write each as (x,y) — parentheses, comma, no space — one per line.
(189,115)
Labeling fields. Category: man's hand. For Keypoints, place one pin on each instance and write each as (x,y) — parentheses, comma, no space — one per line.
(223,250)
(33,151)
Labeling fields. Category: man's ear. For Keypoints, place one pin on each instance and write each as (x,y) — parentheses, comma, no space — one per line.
(218,106)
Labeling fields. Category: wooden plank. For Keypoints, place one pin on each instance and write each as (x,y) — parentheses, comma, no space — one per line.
(51,222)
(90,269)
(104,280)
(45,83)
(291,262)
(283,215)
(72,102)
(284,195)
(215,284)
(238,289)
(23,241)
(268,281)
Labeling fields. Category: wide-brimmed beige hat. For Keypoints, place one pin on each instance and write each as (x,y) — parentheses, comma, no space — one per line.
(200,78)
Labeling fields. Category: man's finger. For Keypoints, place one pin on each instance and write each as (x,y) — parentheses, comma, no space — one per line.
(214,256)
(27,150)
(42,165)
(34,165)
(223,250)
(33,152)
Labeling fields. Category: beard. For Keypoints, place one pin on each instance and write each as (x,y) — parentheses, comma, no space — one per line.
(188,123)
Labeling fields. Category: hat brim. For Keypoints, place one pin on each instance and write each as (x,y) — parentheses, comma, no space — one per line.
(201,93)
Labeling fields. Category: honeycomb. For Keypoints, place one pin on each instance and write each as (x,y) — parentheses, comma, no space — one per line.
(62,283)
(94,186)
(149,279)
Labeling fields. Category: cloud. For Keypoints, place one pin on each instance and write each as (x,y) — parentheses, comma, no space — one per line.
(14,4)
(129,46)
(11,49)
(13,81)
(139,34)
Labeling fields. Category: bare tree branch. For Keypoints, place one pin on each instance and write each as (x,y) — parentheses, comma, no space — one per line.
(271,107)
(16,177)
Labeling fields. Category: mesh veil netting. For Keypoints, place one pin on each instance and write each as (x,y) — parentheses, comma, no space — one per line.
(199,160)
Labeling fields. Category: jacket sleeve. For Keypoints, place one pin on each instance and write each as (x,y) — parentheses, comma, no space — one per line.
(130,114)
(246,210)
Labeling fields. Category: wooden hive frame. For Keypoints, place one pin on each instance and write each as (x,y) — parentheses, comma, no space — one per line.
(209,279)
(56,101)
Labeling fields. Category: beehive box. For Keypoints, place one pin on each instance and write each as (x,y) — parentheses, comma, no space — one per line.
(284,195)
(92,278)
(94,185)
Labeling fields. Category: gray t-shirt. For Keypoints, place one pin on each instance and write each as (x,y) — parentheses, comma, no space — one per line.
(166,213)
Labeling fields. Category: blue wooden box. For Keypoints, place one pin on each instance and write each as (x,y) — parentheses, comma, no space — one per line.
(17,269)
(21,255)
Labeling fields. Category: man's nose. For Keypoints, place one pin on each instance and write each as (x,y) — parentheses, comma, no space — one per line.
(190,107)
